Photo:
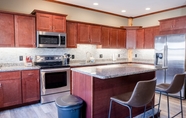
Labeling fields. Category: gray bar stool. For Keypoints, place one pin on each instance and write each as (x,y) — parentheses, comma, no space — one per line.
(142,95)
(174,87)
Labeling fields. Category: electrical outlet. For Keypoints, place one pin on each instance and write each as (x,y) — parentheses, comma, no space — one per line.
(118,55)
(136,55)
(73,56)
(20,58)
(101,56)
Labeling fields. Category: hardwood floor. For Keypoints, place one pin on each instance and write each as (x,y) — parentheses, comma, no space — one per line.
(49,110)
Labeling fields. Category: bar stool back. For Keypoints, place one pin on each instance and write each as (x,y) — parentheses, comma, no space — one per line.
(140,96)
(174,87)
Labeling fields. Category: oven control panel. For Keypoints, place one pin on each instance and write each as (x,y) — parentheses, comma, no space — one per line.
(47,58)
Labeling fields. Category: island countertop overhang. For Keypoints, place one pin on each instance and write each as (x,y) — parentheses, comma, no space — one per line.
(116,70)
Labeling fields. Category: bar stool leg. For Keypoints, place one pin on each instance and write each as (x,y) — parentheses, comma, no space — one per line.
(144,112)
(181,105)
(159,102)
(110,108)
(130,111)
(168,105)
(152,107)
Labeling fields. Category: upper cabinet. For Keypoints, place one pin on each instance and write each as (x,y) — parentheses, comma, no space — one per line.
(6,30)
(131,39)
(140,38)
(150,34)
(52,22)
(113,38)
(17,30)
(105,42)
(173,25)
(24,31)
(72,35)
(89,34)
(121,38)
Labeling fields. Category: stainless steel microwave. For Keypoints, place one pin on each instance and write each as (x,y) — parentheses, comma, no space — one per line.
(51,39)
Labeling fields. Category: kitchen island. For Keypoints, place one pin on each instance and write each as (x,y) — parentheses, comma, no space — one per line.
(95,85)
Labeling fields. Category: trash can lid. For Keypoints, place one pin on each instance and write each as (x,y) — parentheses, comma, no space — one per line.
(68,101)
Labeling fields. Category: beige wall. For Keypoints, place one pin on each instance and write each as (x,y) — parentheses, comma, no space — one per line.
(152,20)
(27,6)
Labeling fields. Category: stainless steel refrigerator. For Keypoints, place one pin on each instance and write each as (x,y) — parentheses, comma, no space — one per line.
(170,53)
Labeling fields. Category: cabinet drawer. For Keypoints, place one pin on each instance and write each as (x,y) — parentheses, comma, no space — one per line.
(10,75)
(30,73)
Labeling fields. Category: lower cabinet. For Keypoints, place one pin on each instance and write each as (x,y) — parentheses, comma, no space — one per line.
(10,88)
(30,86)
(18,87)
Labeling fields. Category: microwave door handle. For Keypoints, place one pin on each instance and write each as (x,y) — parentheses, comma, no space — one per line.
(59,40)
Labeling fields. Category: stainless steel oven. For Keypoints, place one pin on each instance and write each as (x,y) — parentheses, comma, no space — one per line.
(54,77)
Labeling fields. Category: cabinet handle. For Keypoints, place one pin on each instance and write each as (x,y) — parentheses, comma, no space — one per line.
(30,74)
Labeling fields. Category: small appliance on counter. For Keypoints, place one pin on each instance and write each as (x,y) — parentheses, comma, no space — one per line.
(66,58)
(28,61)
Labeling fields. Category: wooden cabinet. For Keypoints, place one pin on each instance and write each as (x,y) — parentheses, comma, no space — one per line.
(150,34)
(10,88)
(175,25)
(50,21)
(30,86)
(149,38)
(95,34)
(140,38)
(131,39)
(6,30)
(105,37)
(89,34)
(113,37)
(72,34)
(121,38)
(24,31)
(166,25)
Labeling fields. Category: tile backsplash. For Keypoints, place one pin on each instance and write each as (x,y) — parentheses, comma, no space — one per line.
(11,55)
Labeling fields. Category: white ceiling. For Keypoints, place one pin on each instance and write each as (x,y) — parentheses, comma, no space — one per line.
(133,7)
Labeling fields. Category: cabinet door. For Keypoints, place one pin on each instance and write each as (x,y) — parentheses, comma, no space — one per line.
(95,34)
(105,37)
(113,38)
(30,85)
(156,31)
(166,25)
(83,33)
(149,38)
(10,88)
(71,35)
(121,38)
(131,39)
(6,30)
(44,22)
(24,31)
(59,23)
(180,23)
(139,39)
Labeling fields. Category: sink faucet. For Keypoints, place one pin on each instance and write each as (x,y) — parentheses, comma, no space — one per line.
(88,59)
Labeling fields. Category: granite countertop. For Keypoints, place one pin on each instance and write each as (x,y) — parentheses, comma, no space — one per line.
(82,63)
(117,70)
(17,68)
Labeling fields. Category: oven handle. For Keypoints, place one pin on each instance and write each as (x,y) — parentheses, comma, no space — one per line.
(55,70)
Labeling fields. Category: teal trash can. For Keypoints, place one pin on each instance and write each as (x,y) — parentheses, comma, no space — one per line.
(69,106)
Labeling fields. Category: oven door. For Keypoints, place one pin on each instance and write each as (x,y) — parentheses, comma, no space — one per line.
(55,80)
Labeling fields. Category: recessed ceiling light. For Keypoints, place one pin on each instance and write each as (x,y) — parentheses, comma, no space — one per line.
(123,10)
(147,8)
(95,3)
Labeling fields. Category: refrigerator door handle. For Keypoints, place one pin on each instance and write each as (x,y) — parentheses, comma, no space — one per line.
(165,55)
